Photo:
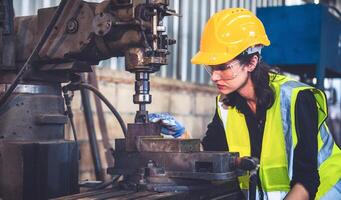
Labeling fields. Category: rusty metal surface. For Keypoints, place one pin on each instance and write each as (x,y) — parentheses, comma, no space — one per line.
(169,145)
(61,42)
(168,165)
(35,160)
(26,32)
(207,166)
(102,24)
(80,30)
(136,60)
(43,119)
(75,66)
(33,116)
(8,51)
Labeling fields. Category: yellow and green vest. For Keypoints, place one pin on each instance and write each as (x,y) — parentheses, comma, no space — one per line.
(279,141)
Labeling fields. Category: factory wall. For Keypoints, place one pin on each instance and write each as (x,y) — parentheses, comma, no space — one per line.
(192,104)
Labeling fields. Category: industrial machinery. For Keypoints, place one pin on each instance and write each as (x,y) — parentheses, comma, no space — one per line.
(39,53)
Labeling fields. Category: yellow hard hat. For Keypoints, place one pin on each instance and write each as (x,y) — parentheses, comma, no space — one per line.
(227,34)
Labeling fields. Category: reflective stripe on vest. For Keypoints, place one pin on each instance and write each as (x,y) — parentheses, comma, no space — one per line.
(328,143)
(287,91)
(277,195)
(330,172)
(334,192)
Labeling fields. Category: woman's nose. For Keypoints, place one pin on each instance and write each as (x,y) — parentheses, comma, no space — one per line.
(215,76)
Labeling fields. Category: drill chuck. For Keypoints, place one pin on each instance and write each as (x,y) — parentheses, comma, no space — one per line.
(142,86)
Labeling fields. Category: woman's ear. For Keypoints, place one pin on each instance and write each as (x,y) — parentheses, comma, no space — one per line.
(253,63)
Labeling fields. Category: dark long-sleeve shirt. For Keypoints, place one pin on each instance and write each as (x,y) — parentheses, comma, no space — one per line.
(305,153)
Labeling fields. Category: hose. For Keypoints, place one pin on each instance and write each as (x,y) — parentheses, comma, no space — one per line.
(107,103)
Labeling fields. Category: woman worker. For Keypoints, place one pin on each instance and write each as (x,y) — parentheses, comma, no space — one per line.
(265,115)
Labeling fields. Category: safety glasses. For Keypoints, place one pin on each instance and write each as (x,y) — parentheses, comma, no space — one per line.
(224,71)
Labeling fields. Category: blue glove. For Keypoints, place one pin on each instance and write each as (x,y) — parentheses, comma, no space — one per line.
(169,125)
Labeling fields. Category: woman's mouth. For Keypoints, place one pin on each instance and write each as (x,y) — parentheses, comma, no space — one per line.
(220,87)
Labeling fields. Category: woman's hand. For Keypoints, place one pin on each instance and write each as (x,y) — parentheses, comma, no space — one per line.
(298,192)
(169,125)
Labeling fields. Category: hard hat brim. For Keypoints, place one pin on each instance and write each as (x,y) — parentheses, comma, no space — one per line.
(203,58)
(215,58)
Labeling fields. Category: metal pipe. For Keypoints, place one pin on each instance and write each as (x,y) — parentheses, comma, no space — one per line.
(89,121)
(101,120)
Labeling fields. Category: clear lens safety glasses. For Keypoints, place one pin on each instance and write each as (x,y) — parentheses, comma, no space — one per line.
(224,71)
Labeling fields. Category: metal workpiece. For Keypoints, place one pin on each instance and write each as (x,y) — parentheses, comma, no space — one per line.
(135,132)
(152,144)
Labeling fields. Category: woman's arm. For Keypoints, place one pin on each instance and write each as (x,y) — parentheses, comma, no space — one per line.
(215,139)
(305,179)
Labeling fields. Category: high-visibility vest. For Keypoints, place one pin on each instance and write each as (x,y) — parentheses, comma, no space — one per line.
(280,139)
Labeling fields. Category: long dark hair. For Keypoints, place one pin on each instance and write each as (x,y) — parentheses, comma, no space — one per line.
(260,78)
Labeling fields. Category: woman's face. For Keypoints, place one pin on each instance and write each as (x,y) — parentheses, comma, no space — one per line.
(229,77)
